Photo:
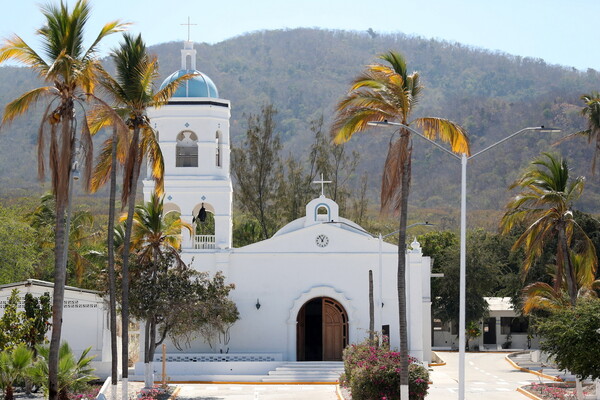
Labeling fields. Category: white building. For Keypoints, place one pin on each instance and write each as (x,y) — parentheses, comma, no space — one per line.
(503,328)
(85,319)
(302,294)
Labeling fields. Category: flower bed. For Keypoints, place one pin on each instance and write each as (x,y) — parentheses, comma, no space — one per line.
(558,391)
(373,373)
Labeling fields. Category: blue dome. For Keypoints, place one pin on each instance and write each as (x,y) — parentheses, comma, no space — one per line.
(198,86)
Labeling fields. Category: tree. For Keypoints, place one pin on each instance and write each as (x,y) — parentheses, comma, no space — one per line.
(571,336)
(591,111)
(202,304)
(70,70)
(132,93)
(390,93)
(153,237)
(19,252)
(542,296)
(257,170)
(545,205)
(27,327)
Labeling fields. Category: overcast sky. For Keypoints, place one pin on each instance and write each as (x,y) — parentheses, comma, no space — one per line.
(560,32)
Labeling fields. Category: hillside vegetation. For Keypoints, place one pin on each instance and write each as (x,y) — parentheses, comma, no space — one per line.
(303,72)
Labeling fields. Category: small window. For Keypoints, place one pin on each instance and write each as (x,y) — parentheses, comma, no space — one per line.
(186,150)
(519,325)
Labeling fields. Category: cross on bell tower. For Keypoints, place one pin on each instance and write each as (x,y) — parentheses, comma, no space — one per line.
(322,182)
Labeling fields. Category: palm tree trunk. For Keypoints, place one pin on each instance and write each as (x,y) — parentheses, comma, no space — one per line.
(567,265)
(57,300)
(61,242)
(402,318)
(371,309)
(112,289)
(125,269)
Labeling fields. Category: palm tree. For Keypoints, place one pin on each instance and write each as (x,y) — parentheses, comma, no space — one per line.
(70,70)
(544,204)
(73,373)
(13,367)
(132,93)
(154,236)
(592,112)
(542,296)
(389,93)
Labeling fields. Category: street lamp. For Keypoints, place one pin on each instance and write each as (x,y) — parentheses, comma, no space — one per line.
(463,232)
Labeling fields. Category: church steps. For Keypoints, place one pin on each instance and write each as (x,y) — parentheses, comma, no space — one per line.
(306,372)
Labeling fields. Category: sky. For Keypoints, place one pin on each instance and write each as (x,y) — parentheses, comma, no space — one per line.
(559,31)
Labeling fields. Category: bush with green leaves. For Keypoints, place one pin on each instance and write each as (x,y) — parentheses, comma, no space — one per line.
(372,372)
(14,367)
(572,336)
(73,373)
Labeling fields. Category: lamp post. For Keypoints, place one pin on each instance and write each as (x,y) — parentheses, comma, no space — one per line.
(463,232)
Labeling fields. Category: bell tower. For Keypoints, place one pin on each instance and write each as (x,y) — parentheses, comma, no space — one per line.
(193,133)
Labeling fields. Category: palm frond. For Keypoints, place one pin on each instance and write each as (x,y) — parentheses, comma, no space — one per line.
(21,104)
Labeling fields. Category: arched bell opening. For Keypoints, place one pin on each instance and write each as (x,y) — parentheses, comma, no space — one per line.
(322,330)
(203,220)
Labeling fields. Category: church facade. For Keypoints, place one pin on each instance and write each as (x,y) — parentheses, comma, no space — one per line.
(303,294)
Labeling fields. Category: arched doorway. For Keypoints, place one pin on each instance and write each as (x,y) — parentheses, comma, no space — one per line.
(322,330)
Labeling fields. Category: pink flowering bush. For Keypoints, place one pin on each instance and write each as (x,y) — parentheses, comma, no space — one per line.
(156,392)
(88,393)
(555,391)
(373,373)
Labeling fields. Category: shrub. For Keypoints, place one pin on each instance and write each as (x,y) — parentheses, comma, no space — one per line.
(372,372)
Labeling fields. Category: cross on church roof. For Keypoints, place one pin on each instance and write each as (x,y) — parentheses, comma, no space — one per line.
(188,25)
(322,182)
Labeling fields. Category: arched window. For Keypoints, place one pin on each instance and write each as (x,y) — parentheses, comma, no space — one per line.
(187,149)
(218,149)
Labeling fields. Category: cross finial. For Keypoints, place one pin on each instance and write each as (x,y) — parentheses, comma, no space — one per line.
(188,25)
(322,182)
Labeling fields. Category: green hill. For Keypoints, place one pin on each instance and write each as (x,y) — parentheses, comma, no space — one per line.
(303,72)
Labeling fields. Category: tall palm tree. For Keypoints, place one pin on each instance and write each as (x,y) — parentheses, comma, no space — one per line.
(69,69)
(153,237)
(544,204)
(390,93)
(132,93)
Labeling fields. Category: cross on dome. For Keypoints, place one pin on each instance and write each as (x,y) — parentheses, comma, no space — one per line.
(188,25)
(322,182)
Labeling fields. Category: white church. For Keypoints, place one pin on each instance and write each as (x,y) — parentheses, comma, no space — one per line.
(303,295)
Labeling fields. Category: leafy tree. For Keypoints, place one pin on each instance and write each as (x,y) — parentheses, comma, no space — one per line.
(70,70)
(36,316)
(13,367)
(545,204)
(27,327)
(257,170)
(202,304)
(11,333)
(570,335)
(390,93)
(484,266)
(19,253)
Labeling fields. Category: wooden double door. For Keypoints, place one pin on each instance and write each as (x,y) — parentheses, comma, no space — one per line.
(322,330)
